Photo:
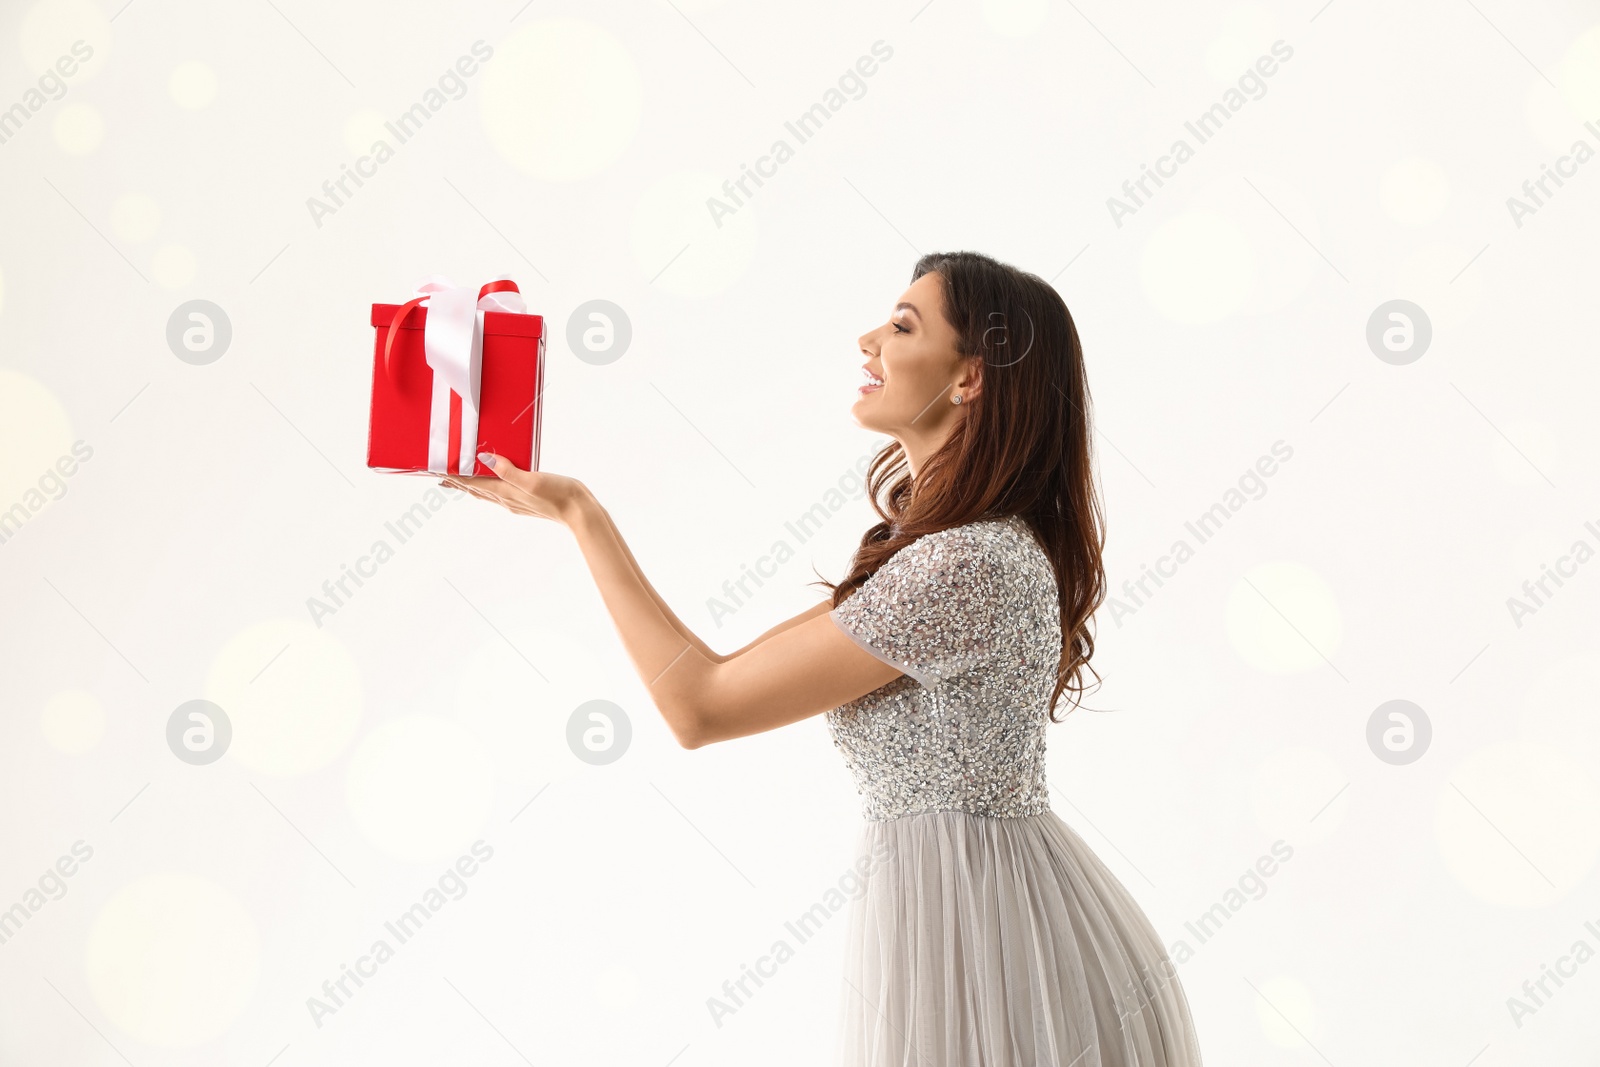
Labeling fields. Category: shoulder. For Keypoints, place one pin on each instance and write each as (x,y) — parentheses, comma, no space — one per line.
(973,554)
(986,539)
(948,601)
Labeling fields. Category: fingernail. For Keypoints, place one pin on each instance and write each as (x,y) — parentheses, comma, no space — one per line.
(487,459)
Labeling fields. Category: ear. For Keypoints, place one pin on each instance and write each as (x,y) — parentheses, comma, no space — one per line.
(970,385)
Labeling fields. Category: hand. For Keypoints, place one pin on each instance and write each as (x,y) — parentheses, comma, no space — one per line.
(536,493)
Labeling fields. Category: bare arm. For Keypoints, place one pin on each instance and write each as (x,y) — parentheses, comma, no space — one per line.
(810,613)
(803,667)
(677,623)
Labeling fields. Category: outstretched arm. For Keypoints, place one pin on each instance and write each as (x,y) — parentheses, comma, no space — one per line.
(678,624)
(801,668)
(683,631)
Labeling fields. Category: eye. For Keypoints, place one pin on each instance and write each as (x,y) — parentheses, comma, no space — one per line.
(899,328)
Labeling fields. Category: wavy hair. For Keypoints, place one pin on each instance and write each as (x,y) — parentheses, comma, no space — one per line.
(1021,447)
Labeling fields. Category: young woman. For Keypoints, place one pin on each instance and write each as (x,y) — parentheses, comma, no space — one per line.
(989,935)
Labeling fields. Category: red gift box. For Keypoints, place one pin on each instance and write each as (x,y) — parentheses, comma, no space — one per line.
(422,381)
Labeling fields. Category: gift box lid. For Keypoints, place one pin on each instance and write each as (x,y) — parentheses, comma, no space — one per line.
(494,322)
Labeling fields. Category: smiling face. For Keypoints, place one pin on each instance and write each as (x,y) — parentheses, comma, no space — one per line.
(915,358)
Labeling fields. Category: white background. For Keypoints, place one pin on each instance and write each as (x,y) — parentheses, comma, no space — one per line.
(1228,313)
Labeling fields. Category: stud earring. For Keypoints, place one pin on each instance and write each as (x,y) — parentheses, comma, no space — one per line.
(956,399)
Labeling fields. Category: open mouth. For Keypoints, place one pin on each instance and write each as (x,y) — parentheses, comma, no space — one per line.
(873,383)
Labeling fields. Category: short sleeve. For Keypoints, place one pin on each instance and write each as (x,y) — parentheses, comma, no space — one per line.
(933,610)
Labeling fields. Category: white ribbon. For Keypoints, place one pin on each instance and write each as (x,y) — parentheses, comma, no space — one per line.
(452,340)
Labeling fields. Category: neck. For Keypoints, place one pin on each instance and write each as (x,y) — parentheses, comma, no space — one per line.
(918,447)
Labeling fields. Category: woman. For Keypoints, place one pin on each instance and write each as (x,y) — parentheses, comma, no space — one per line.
(989,935)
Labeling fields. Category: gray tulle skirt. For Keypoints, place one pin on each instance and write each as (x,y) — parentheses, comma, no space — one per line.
(986,942)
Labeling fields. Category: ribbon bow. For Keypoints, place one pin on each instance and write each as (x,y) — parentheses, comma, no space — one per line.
(452,341)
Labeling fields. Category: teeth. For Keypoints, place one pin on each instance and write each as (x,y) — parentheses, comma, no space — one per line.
(871,380)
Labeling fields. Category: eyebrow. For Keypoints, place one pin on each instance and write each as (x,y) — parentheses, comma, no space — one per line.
(909,307)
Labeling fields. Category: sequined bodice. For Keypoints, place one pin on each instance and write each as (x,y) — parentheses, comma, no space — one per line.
(971,614)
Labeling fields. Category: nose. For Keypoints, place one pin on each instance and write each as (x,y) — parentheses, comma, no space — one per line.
(869,342)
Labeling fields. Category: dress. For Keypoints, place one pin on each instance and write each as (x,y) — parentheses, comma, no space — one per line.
(987,933)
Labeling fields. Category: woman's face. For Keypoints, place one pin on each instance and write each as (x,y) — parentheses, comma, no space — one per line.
(914,356)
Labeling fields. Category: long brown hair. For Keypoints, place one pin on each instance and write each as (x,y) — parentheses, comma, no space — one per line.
(1021,447)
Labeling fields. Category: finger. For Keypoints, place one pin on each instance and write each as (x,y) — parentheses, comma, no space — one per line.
(504,469)
(466,485)
(481,492)
(465,481)
(508,494)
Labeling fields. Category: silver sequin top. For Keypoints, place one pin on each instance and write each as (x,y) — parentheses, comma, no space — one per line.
(972,616)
